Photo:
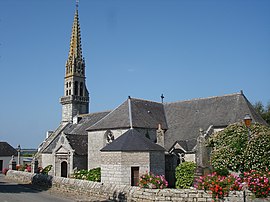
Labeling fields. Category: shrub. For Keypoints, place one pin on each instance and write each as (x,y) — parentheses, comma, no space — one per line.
(91,175)
(218,185)
(256,181)
(4,171)
(234,151)
(28,168)
(46,170)
(25,167)
(151,181)
(222,171)
(184,174)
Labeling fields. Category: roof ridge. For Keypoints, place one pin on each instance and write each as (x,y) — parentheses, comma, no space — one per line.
(83,115)
(205,98)
(74,134)
(140,99)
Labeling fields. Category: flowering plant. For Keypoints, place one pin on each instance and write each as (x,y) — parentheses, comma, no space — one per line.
(258,183)
(234,149)
(4,171)
(217,184)
(91,175)
(151,181)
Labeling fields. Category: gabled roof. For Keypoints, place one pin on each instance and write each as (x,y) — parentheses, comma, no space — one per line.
(145,114)
(185,118)
(76,129)
(79,143)
(6,149)
(132,140)
(185,145)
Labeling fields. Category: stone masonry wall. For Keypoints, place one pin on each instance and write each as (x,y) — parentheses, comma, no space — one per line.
(96,141)
(105,191)
(157,162)
(116,166)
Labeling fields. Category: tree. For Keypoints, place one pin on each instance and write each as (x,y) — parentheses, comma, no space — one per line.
(264,111)
(231,148)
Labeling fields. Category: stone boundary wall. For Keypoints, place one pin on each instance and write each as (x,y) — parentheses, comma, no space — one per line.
(102,191)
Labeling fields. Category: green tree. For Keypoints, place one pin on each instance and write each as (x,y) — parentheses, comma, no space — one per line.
(231,148)
(264,111)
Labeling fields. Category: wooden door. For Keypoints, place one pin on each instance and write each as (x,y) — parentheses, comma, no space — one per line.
(135,176)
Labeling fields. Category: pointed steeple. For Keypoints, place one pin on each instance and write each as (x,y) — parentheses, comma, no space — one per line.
(76,97)
(75,64)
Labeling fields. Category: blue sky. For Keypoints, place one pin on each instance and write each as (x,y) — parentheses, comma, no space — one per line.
(184,49)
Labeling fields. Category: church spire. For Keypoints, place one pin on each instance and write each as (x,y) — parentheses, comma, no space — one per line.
(75,62)
(76,97)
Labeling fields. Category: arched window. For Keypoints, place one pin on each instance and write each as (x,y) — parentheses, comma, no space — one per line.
(69,92)
(69,84)
(66,92)
(76,88)
(81,89)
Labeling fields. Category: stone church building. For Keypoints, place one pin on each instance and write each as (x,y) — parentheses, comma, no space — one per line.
(137,136)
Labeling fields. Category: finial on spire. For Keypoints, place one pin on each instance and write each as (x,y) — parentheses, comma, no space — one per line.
(77,4)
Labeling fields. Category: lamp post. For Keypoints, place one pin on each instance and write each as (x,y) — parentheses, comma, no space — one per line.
(247,121)
(19,152)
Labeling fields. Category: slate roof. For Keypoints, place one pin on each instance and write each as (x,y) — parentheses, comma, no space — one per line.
(145,114)
(6,149)
(75,129)
(132,140)
(79,143)
(185,118)
(187,145)
(87,120)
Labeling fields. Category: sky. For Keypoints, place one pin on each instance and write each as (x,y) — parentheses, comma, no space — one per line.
(185,49)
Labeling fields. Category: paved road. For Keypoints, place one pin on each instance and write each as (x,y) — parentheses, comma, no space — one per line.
(13,192)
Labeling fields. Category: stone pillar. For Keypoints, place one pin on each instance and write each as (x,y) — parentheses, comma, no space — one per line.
(202,158)
(34,166)
(12,163)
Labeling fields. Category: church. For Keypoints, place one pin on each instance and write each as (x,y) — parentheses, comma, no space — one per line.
(138,136)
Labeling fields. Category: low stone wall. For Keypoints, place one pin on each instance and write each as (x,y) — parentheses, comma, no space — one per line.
(114,192)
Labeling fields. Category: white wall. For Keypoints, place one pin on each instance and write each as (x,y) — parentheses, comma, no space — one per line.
(6,160)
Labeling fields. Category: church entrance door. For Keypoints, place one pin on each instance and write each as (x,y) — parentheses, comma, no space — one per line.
(64,169)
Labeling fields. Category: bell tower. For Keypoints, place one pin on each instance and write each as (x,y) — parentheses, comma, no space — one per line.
(76,97)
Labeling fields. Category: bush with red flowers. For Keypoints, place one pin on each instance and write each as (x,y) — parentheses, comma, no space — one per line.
(151,181)
(220,186)
(258,183)
(4,171)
